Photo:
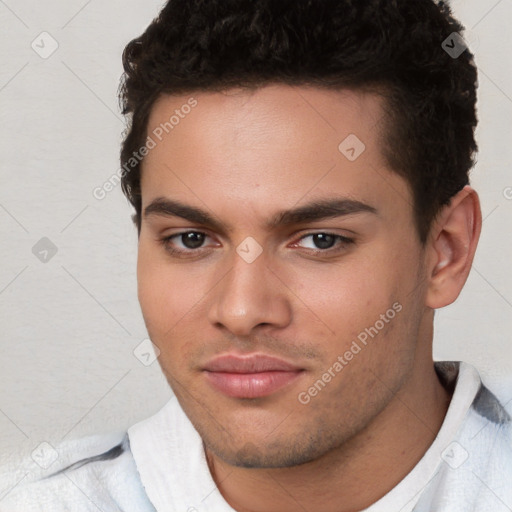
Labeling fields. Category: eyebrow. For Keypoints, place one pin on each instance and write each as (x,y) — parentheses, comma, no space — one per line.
(316,210)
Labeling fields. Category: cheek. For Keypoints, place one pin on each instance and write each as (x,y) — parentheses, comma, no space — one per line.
(348,297)
(160,295)
(171,298)
(148,284)
(363,306)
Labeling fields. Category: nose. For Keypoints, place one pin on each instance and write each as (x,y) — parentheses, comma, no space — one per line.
(250,295)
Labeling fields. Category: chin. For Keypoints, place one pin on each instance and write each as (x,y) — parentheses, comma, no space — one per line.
(275,455)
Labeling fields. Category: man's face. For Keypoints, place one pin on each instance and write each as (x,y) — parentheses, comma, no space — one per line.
(342,295)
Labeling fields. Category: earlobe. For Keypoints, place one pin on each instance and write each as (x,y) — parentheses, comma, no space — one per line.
(453,243)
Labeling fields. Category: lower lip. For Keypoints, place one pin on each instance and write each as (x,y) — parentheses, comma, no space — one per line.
(250,385)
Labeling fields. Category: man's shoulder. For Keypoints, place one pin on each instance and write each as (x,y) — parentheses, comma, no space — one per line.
(85,474)
(476,467)
(488,405)
(487,437)
(486,432)
(475,464)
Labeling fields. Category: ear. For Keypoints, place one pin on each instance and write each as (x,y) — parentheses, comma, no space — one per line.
(451,247)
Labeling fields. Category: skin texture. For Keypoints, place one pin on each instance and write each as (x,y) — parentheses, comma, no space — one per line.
(243,157)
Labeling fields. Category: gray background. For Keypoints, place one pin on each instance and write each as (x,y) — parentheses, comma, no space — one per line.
(70,325)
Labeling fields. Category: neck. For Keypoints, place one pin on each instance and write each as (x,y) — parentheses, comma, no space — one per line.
(356,474)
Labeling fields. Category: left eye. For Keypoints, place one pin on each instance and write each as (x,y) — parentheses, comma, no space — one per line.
(325,241)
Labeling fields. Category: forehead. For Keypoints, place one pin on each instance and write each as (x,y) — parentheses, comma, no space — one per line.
(244,117)
(275,144)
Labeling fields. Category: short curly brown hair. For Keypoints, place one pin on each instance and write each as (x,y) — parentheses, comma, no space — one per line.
(390,46)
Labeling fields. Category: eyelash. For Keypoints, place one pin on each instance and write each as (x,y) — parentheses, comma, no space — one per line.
(166,242)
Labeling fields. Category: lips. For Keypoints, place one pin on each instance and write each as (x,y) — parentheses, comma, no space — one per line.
(253,376)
